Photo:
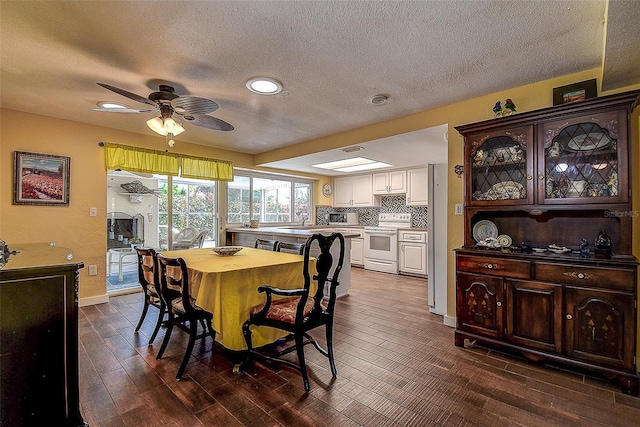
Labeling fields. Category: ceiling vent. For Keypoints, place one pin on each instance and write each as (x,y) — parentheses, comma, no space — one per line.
(352,149)
(379,99)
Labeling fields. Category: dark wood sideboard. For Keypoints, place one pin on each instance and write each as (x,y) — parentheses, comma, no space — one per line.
(39,337)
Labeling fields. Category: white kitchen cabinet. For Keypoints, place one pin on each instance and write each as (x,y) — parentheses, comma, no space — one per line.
(412,247)
(357,251)
(394,182)
(353,191)
(417,187)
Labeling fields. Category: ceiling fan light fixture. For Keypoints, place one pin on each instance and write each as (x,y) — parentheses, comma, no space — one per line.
(165,126)
(264,85)
(173,127)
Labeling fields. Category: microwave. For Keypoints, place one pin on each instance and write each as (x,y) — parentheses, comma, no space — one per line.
(343,218)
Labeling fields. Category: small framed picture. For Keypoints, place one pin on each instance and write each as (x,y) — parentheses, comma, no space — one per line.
(575,92)
(40,179)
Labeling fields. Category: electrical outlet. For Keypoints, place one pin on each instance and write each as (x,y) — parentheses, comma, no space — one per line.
(93,270)
(93,211)
(458,208)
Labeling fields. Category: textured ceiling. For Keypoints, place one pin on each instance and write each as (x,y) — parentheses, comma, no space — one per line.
(331,56)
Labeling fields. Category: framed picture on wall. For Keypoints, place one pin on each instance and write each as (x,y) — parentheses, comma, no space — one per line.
(575,92)
(40,179)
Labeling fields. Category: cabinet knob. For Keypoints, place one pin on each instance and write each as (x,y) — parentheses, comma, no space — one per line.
(529,177)
(489,266)
(578,275)
(540,177)
(499,304)
(569,317)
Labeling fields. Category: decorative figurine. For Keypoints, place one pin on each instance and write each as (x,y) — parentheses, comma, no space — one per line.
(603,245)
(497,109)
(584,248)
(525,248)
(510,106)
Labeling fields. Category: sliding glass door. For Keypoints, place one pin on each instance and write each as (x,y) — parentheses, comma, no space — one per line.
(187,204)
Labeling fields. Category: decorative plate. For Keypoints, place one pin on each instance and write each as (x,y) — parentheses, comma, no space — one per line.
(505,240)
(326,190)
(595,141)
(484,229)
(508,190)
(539,250)
(227,250)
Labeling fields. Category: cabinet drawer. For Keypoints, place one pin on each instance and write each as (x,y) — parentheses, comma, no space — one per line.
(602,277)
(496,266)
(412,236)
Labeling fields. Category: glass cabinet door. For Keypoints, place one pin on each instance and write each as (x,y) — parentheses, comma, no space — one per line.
(582,160)
(501,166)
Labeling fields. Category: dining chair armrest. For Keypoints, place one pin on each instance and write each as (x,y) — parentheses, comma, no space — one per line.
(284,292)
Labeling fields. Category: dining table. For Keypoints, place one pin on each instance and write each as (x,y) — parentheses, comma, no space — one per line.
(227,286)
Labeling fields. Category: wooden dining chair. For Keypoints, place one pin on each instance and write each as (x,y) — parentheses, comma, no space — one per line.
(148,278)
(269,245)
(291,248)
(299,310)
(174,277)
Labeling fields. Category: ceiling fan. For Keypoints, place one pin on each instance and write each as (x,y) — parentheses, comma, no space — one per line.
(192,109)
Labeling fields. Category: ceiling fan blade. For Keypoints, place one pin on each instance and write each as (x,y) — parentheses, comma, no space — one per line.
(128,94)
(122,110)
(194,105)
(208,122)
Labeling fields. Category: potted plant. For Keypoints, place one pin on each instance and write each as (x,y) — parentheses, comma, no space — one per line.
(136,241)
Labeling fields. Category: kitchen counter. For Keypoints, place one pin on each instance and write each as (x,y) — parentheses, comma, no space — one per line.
(290,232)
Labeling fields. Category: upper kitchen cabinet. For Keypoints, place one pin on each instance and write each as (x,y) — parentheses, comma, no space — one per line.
(564,155)
(394,182)
(353,191)
(418,187)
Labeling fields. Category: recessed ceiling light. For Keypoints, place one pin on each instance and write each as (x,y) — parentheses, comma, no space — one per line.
(264,85)
(352,165)
(379,99)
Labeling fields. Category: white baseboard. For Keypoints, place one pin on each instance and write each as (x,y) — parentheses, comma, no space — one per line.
(449,321)
(100,299)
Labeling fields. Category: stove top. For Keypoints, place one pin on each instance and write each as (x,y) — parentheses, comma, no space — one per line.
(393,221)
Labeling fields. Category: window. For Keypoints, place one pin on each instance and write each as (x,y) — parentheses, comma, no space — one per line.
(268,200)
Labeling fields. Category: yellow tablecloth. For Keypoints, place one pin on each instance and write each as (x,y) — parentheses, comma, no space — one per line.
(227,287)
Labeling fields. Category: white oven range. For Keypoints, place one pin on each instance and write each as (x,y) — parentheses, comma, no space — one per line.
(381,242)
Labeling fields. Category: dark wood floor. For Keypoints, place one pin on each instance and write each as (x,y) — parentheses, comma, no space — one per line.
(397,366)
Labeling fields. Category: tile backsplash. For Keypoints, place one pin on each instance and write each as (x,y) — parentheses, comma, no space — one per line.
(369,216)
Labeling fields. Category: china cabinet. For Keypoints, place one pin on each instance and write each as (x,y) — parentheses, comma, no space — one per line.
(539,188)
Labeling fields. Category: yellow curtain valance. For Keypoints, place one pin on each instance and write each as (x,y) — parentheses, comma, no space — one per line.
(136,159)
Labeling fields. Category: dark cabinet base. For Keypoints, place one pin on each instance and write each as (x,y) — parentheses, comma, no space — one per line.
(629,382)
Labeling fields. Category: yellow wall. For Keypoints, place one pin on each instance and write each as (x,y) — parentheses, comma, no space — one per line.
(72,227)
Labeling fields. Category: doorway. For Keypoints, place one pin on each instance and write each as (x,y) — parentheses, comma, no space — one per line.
(142,208)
